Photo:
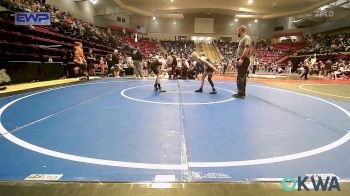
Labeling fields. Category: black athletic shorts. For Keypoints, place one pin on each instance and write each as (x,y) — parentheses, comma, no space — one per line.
(209,69)
(154,68)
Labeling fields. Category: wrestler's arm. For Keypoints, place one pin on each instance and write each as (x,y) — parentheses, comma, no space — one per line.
(164,67)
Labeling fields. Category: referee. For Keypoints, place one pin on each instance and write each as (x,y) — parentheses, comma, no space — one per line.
(242,56)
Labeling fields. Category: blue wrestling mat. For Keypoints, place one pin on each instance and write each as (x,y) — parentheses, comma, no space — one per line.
(123,131)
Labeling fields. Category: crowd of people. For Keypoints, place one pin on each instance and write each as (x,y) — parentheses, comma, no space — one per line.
(267,52)
(326,44)
(330,69)
(336,69)
(227,49)
(179,47)
(66,23)
(115,63)
(267,56)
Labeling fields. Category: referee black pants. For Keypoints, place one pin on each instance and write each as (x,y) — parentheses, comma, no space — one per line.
(242,76)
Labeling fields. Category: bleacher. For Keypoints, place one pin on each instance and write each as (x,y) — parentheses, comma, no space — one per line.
(277,52)
(32,43)
(336,46)
(324,43)
(227,49)
(182,48)
(146,46)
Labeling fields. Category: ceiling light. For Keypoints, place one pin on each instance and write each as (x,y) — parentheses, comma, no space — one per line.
(154,18)
(250,2)
(296,21)
(93,1)
(323,7)
(171,1)
(256,20)
(236,19)
(246,16)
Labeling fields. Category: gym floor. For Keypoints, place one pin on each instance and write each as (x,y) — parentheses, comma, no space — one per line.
(122,131)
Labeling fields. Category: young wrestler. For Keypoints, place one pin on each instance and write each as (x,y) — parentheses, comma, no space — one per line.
(209,69)
(157,66)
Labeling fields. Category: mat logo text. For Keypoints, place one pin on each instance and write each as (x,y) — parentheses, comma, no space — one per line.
(317,183)
(33,18)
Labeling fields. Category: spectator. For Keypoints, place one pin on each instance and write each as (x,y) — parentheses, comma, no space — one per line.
(109,63)
(79,60)
(102,66)
(328,68)
(90,58)
(115,64)
(137,59)
(305,72)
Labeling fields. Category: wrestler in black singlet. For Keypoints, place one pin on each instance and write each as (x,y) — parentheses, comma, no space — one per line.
(155,65)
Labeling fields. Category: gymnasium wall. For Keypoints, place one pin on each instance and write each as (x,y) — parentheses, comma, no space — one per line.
(103,21)
(182,26)
(266,27)
(81,9)
(224,26)
(339,21)
(341,30)
(107,14)
(204,25)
